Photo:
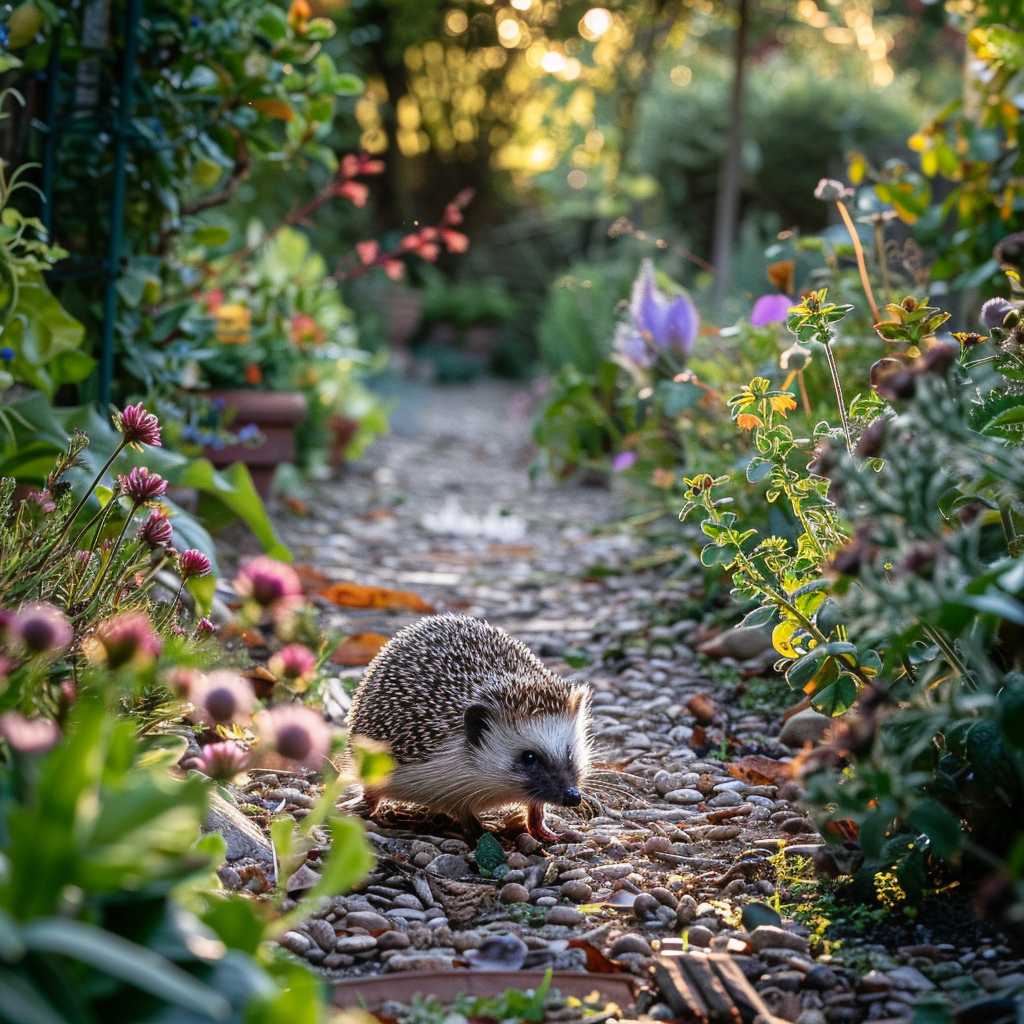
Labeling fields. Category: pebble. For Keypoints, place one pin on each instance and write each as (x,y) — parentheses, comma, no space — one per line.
(767,936)
(418,961)
(354,943)
(322,934)
(406,914)
(910,979)
(684,796)
(367,919)
(807,726)
(338,961)
(645,905)
(665,896)
(527,844)
(513,892)
(577,891)
(630,943)
(821,977)
(698,935)
(296,942)
(448,865)
(728,798)
(564,916)
(393,940)
(686,912)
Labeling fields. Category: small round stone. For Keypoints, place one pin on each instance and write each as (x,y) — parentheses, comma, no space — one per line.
(448,865)
(393,940)
(578,892)
(698,935)
(645,904)
(630,943)
(527,844)
(367,919)
(564,915)
(665,897)
(513,892)
(296,942)
(354,943)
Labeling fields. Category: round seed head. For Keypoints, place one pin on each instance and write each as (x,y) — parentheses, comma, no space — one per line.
(297,733)
(43,628)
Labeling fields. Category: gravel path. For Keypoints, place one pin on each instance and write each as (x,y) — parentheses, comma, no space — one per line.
(677,839)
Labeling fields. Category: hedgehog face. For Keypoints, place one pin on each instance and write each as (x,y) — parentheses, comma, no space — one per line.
(544,757)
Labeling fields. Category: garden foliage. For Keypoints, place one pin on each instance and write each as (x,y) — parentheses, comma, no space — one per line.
(116,720)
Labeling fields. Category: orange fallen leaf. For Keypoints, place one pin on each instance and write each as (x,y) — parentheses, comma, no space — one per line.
(356,595)
(379,513)
(313,580)
(597,962)
(296,505)
(250,637)
(513,550)
(844,829)
(760,771)
(359,649)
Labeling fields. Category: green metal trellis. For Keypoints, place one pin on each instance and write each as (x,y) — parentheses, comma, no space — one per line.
(121,133)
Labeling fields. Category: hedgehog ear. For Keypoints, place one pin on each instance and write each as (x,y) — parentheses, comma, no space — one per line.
(578,700)
(476,722)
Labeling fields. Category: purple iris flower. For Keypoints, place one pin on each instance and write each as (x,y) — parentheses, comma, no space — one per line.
(657,322)
(770,309)
(623,461)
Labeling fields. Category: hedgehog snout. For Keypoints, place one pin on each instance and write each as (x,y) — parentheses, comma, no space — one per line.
(571,798)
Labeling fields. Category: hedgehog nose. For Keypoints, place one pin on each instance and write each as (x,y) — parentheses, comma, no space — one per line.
(572,798)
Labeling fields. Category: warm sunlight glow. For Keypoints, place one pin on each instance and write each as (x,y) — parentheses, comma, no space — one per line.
(456,22)
(509,32)
(552,62)
(595,23)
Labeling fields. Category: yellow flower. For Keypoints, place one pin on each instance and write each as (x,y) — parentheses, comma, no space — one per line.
(783,403)
(234,323)
(747,421)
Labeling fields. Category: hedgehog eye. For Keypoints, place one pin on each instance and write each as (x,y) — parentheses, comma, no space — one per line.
(528,757)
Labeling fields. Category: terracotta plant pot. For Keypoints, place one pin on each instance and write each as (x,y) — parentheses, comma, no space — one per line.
(276,414)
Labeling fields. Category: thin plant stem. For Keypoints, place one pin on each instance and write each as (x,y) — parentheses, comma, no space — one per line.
(85,497)
(948,651)
(861,265)
(883,270)
(834,370)
(803,391)
(114,550)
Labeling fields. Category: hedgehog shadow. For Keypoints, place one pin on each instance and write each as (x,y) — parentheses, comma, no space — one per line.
(606,790)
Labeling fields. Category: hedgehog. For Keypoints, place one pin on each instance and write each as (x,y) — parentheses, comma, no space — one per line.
(474,721)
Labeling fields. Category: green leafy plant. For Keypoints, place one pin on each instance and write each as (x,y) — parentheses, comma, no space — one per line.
(109,909)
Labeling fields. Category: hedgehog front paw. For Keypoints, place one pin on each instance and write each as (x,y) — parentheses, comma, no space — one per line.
(535,824)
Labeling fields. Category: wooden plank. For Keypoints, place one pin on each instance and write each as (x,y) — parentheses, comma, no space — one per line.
(698,971)
(743,995)
(676,991)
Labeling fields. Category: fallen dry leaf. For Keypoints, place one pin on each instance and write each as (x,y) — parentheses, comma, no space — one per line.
(261,680)
(702,708)
(313,580)
(597,962)
(359,649)
(250,637)
(296,505)
(356,595)
(760,771)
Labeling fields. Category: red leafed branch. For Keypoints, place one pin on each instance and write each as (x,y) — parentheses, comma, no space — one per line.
(426,242)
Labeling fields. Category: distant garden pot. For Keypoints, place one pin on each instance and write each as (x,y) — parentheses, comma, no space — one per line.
(276,414)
